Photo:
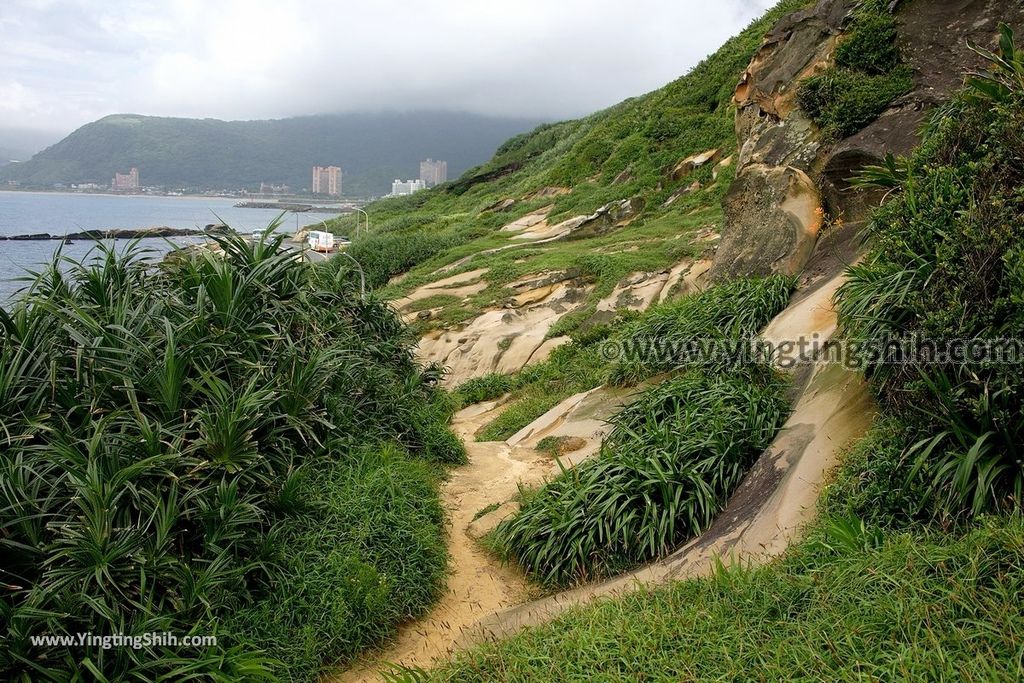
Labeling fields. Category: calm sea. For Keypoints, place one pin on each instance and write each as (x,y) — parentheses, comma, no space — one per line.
(24,213)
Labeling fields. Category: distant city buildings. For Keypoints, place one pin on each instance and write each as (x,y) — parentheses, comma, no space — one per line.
(433,172)
(269,188)
(401,188)
(126,181)
(327,180)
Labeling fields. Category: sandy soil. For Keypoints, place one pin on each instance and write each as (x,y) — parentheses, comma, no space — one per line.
(479,584)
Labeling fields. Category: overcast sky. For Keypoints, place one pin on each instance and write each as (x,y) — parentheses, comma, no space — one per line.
(64,63)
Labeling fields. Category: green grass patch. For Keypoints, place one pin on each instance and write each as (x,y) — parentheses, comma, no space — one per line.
(363,556)
(913,606)
(869,74)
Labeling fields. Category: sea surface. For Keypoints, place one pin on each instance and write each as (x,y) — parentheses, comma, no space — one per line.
(23,213)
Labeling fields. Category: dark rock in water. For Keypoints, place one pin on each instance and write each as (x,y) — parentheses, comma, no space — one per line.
(36,236)
(117,234)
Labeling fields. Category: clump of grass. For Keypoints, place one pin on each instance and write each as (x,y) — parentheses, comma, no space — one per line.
(670,463)
(677,333)
(362,556)
(874,482)
(869,74)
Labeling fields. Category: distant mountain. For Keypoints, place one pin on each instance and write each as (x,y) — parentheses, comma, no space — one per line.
(372,149)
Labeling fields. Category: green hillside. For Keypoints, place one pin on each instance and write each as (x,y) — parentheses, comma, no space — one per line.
(626,151)
(372,149)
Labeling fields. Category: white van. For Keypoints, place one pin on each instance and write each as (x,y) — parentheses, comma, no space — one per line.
(321,241)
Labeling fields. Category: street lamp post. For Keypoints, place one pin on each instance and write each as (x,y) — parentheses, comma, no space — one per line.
(366,216)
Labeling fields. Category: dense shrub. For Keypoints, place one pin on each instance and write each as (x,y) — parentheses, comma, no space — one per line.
(678,333)
(382,255)
(843,102)
(667,468)
(674,455)
(870,47)
(362,555)
(945,264)
(160,432)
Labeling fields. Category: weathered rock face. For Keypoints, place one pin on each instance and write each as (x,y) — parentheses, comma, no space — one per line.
(782,153)
(608,217)
(506,339)
(773,220)
(770,220)
(692,163)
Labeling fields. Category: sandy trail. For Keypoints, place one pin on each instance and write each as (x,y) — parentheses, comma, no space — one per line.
(479,584)
(769,511)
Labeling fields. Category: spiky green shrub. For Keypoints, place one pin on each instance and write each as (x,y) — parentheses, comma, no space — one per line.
(157,426)
(695,329)
(946,264)
(667,468)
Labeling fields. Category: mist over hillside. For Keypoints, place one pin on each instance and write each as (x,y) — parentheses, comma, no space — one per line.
(371,148)
(19,144)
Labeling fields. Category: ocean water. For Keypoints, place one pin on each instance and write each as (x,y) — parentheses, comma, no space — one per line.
(23,213)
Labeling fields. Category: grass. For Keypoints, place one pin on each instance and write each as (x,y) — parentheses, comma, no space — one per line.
(219,445)
(734,311)
(667,468)
(363,556)
(908,606)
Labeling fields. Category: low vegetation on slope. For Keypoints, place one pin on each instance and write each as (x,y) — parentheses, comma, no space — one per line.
(674,455)
(623,152)
(915,568)
(867,76)
(237,445)
(946,266)
(842,606)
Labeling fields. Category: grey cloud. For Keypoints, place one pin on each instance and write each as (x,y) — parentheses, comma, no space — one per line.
(71,61)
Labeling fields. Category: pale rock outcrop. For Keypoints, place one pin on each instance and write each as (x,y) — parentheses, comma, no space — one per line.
(461,285)
(607,218)
(639,291)
(509,338)
(503,340)
(692,163)
(773,219)
(528,221)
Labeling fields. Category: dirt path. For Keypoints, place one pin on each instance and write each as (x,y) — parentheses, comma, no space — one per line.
(479,584)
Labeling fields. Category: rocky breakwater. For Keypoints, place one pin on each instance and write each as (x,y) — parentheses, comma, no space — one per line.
(118,234)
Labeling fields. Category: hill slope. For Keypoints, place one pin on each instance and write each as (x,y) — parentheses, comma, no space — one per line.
(372,149)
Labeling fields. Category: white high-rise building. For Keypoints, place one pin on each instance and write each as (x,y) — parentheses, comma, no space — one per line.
(400,188)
